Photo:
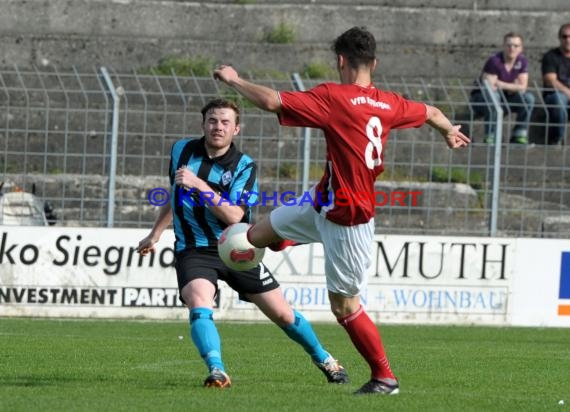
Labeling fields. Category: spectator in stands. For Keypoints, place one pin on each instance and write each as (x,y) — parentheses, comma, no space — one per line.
(507,73)
(556,77)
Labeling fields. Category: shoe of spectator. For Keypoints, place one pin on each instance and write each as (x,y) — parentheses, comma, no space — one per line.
(519,139)
(490,139)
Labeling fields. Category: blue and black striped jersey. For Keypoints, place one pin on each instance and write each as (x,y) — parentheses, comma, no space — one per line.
(232,175)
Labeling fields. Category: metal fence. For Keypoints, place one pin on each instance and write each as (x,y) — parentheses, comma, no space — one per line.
(93,144)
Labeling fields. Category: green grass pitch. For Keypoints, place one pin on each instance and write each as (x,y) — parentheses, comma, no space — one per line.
(96,365)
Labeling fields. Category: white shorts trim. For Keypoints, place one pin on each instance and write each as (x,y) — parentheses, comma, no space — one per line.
(347,249)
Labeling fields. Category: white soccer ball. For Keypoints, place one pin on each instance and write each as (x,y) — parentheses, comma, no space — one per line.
(235,250)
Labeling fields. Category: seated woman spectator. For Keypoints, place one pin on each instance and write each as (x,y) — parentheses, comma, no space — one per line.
(507,73)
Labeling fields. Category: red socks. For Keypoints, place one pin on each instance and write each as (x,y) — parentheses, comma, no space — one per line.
(277,246)
(367,341)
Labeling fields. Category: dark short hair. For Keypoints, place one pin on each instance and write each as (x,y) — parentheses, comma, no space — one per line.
(220,104)
(562,28)
(357,45)
(512,34)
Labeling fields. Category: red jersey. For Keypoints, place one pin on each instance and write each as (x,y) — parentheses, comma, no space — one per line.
(356,122)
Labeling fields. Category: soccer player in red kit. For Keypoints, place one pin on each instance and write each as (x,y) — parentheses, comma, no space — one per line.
(356,119)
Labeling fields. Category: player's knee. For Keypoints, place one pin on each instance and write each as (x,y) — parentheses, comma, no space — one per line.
(338,312)
(342,307)
(197,314)
(283,319)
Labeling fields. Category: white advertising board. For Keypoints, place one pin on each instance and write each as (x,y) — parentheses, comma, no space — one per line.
(541,292)
(85,272)
(416,279)
(94,272)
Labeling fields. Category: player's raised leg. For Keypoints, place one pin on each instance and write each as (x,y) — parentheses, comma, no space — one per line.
(262,235)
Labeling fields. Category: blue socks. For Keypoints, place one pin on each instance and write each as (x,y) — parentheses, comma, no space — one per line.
(206,337)
(302,332)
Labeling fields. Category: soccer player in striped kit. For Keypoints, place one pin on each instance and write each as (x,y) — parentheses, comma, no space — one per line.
(356,119)
(214,167)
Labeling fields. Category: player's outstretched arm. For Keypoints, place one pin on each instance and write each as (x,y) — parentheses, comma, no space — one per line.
(263,97)
(453,137)
(162,221)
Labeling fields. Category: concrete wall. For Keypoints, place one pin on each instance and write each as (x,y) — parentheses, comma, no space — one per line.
(446,39)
